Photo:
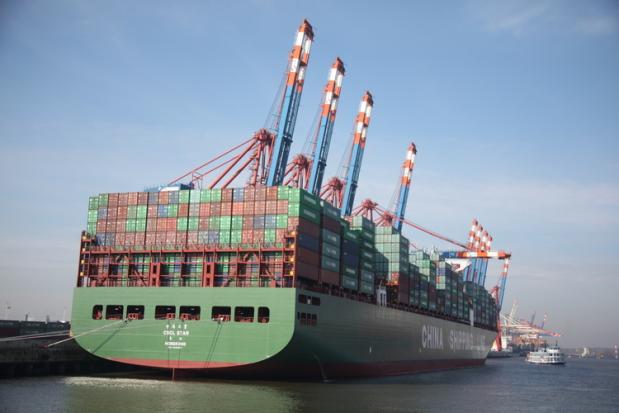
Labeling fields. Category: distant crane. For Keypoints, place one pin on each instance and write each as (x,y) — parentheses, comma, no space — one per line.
(307,169)
(340,191)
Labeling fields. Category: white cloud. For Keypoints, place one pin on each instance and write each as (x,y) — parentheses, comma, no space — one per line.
(523,16)
(598,25)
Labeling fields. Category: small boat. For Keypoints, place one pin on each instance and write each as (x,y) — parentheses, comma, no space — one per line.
(546,355)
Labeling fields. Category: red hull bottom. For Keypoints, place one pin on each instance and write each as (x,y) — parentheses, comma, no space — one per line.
(270,369)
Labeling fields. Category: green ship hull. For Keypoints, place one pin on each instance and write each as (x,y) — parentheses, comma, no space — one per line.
(306,334)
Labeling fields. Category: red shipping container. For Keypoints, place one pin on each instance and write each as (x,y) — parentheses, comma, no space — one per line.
(151,225)
(271,207)
(226,195)
(215,208)
(110,226)
(258,237)
(120,238)
(194,210)
(307,256)
(122,212)
(150,238)
(164,197)
(192,237)
(308,227)
(205,210)
(279,235)
(307,271)
(183,210)
(203,224)
(247,236)
(112,213)
(170,224)
(261,193)
(139,238)
(162,224)
(123,199)
(282,206)
(330,277)
(248,208)
(248,222)
(151,211)
(112,200)
(331,224)
(142,198)
(260,208)
(272,193)
(170,238)
(181,237)
(130,238)
(237,208)
(120,225)
(249,194)
(133,198)
(226,209)
(101,226)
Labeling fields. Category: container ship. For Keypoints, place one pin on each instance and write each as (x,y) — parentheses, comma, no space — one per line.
(281,276)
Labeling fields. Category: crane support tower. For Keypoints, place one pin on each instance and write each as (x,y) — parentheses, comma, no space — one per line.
(356,155)
(405,183)
(287,114)
(326,122)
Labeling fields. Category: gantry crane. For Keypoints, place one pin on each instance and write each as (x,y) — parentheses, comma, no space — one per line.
(288,110)
(340,191)
(307,169)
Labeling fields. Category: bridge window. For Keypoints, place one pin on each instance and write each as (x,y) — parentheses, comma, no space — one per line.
(135,312)
(190,312)
(263,314)
(97,312)
(244,314)
(165,312)
(114,312)
(315,301)
(220,313)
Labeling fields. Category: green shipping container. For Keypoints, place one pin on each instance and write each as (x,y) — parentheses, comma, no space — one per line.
(349,271)
(330,251)
(141,211)
(172,211)
(192,223)
(181,224)
(282,221)
(183,196)
(140,225)
(350,282)
(205,196)
(130,225)
(195,196)
(103,198)
(296,195)
(93,202)
(92,216)
(300,210)
(269,235)
(283,192)
(366,288)
(330,264)
(91,228)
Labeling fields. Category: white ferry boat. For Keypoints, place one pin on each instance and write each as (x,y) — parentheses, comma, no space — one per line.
(546,355)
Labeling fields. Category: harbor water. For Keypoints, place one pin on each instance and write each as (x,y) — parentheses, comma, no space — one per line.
(502,385)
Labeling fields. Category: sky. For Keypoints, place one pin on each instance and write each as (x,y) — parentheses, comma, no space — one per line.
(513,106)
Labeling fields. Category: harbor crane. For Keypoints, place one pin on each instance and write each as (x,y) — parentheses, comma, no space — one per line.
(307,169)
(340,190)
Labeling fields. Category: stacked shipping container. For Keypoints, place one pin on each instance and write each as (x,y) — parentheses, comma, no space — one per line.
(162,228)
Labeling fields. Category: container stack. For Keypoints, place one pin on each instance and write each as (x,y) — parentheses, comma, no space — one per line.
(427,279)
(365,231)
(331,241)
(392,261)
